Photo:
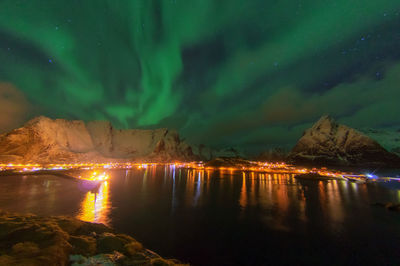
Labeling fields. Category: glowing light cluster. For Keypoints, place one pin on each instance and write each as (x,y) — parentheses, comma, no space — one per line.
(95,176)
(248,166)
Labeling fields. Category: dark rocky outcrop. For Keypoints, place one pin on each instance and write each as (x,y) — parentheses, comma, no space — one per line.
(228,162)
(391,206)
(35,240)
(272,155)
(206,153)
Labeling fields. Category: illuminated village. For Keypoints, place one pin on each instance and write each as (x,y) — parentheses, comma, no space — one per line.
(257,167)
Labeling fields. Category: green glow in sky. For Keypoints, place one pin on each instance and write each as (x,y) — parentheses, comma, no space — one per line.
(227,72)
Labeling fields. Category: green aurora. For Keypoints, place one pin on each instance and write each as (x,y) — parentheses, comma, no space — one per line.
(253,73)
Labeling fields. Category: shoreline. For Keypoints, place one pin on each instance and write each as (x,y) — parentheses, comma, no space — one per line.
(27,239)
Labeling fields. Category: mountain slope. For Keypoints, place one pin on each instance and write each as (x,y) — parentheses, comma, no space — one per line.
(43,140)
(388,138)
(206,153)
(328,142)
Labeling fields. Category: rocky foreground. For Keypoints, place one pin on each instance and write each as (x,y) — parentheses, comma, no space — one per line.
(35,240)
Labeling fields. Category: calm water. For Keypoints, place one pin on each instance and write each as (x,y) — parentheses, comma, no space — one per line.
(224,218)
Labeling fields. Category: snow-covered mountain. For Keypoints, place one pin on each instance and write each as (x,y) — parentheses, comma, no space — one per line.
(328,142)
(44,140)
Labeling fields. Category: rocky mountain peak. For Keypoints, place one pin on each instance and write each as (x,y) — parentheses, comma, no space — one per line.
(37,120)
(326,125)
(329,142)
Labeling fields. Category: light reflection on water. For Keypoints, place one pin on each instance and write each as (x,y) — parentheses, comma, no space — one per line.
(230,216)
(276,195)
(95,206)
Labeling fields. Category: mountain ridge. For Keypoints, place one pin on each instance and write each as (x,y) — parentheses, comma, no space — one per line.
(44,140)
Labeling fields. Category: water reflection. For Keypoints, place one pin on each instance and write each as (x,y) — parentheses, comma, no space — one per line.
(95,206)
(281,201)
(281,193)
(278,198)
(219,210)
(243,192)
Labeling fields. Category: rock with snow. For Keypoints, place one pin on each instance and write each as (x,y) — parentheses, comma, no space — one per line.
(44,140)
(328,142)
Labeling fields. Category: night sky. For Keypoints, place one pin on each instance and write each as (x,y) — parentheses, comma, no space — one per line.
(247,73)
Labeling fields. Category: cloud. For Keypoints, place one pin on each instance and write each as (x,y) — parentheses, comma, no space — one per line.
(281,117)
(366,101)
(14,107)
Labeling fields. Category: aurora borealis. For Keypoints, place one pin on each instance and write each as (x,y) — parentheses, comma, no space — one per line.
(223,72)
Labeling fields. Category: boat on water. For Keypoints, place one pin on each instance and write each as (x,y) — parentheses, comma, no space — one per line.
(94,180)
(356,178)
